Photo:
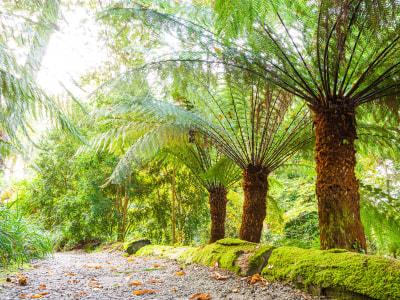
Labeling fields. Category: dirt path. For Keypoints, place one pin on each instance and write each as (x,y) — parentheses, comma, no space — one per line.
(104,275)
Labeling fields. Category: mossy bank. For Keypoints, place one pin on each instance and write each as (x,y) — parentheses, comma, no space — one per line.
(335,273)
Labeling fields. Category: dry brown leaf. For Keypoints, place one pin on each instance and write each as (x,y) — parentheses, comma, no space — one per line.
(98,267)
(175,289)
(136,283)
(42,287)
(8,279)
(201,296)
(218,276)
(113,268)
(215,265)
(37,296)
(144,292)
(154,281)
(255,278)
(22,295)
(180,273)
(70,274)
(36,266)
(131,259)
(22,281)
(49,275)
(75,281)
(156,266)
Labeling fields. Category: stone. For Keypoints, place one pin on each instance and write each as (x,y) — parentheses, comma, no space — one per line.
(131,247)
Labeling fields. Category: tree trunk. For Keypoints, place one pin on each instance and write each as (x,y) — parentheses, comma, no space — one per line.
(337,187)
(173,207)
(255,187)
(217,199)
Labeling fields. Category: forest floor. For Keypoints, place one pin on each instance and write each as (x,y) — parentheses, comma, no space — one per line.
(111,275)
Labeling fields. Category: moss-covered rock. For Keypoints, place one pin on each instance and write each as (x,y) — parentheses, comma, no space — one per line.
(131,247)
(336,273)
(238,256)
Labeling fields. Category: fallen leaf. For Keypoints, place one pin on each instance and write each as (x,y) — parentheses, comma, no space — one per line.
(136,283)
(218,276)
(175,289)
(83,293)
(36,266)
(22,281)
(180,273)
(131,259)
(144,292)
(49,275)
(8,279)
(156,266)
(75,281)
(235,290)
(200,296)
(70,274)
(154,281)
(22,295)
(113,268)
(255,278)
(215,265)
(42,287)
(98,267)
(107,262)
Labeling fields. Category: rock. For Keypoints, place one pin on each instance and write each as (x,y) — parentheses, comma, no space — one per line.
(132,247)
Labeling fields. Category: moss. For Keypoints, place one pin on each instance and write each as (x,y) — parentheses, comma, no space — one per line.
(376,277)
(225,251)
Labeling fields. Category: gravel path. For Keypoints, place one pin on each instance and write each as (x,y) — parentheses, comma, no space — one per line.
(104,275)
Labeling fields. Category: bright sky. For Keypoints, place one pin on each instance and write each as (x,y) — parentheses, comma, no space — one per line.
(71,51)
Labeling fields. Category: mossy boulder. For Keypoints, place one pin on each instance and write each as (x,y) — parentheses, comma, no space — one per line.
(239,256)
(336,273)
(131,247)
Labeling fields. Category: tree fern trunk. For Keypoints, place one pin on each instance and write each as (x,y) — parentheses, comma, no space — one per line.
(217,199)
(337,187)
(255,187)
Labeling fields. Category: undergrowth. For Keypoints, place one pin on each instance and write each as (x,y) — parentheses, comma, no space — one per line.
(20,238)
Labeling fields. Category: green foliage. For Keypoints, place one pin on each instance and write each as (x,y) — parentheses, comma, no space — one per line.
(66,192)
(21,239)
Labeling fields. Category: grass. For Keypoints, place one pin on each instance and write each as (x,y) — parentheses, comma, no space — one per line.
(20,239)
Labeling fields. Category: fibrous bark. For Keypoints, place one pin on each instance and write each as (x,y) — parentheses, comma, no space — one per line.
(255,187)
(217,199)
(337,187)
